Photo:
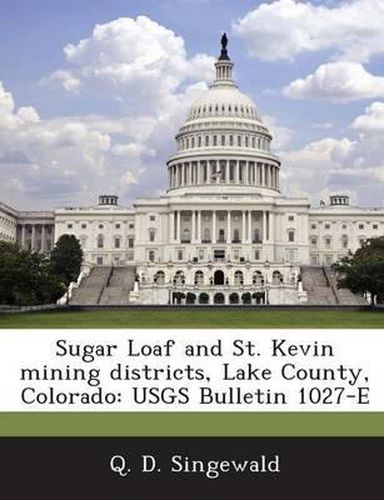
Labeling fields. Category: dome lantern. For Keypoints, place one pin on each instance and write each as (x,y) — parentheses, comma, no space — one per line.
(224,65)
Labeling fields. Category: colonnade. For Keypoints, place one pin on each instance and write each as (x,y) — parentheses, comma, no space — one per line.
(37,236)
(245,228)
(223,171)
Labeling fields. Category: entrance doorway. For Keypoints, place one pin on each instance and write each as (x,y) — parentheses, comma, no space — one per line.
(218,278)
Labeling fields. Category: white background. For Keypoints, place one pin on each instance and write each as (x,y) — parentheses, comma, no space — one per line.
(34,348)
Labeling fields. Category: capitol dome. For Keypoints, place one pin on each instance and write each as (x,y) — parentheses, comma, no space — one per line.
(223,142)
(224,101)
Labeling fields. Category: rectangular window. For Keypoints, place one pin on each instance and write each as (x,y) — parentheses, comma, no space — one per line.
(219,255)
(152,217)
(117,242)
(375,226)
(130,256)
(117,226)
(99,261)
(361,226)
(328,260)
(291,217)
(179,255)
(327,226)
(313,226)
(328,242)
(131,226)
(69,226)
(131,242)
(223,140)
(83,226)
(151,255)
(257,254)
(201,254)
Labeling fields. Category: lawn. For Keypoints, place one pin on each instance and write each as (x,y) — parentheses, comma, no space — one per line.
(196,318)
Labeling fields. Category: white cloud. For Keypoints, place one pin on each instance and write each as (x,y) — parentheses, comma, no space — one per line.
(281,135)
(341,165)
(372,120)
(141,66)
(338,81)
(138,60)
(283,29)
(64,79)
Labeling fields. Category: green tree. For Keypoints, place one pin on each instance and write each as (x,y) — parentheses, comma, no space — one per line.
(26,278)
(66,258)
(363,271)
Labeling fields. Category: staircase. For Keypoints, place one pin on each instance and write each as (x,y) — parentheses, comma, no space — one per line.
(317,287)
(118,286)
(91,288)
(321,285)
(344,295)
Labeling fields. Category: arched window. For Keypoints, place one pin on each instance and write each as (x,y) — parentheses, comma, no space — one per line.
(179,278)
(277,278)
(239,278)
(207,140)
(199,278)
(291,235)
(159,278)
(258,278)
(199,141)
(100,241)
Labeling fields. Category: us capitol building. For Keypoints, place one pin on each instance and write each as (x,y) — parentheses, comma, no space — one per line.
(223,233)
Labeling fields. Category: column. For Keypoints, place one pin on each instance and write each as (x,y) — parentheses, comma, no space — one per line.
(33,237)
(172,227)
(271,226)
(193,226)
(198,176)
(22,235)
(264,228)
(213,226)
(42,238)
(243,226)
(178,230)
(199,226)
(250,226)
(262,174)
(227,171)
(246,172)
(237,172)
(189,171)
(228,226)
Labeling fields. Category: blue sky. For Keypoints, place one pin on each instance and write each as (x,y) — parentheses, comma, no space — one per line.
(84,110)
